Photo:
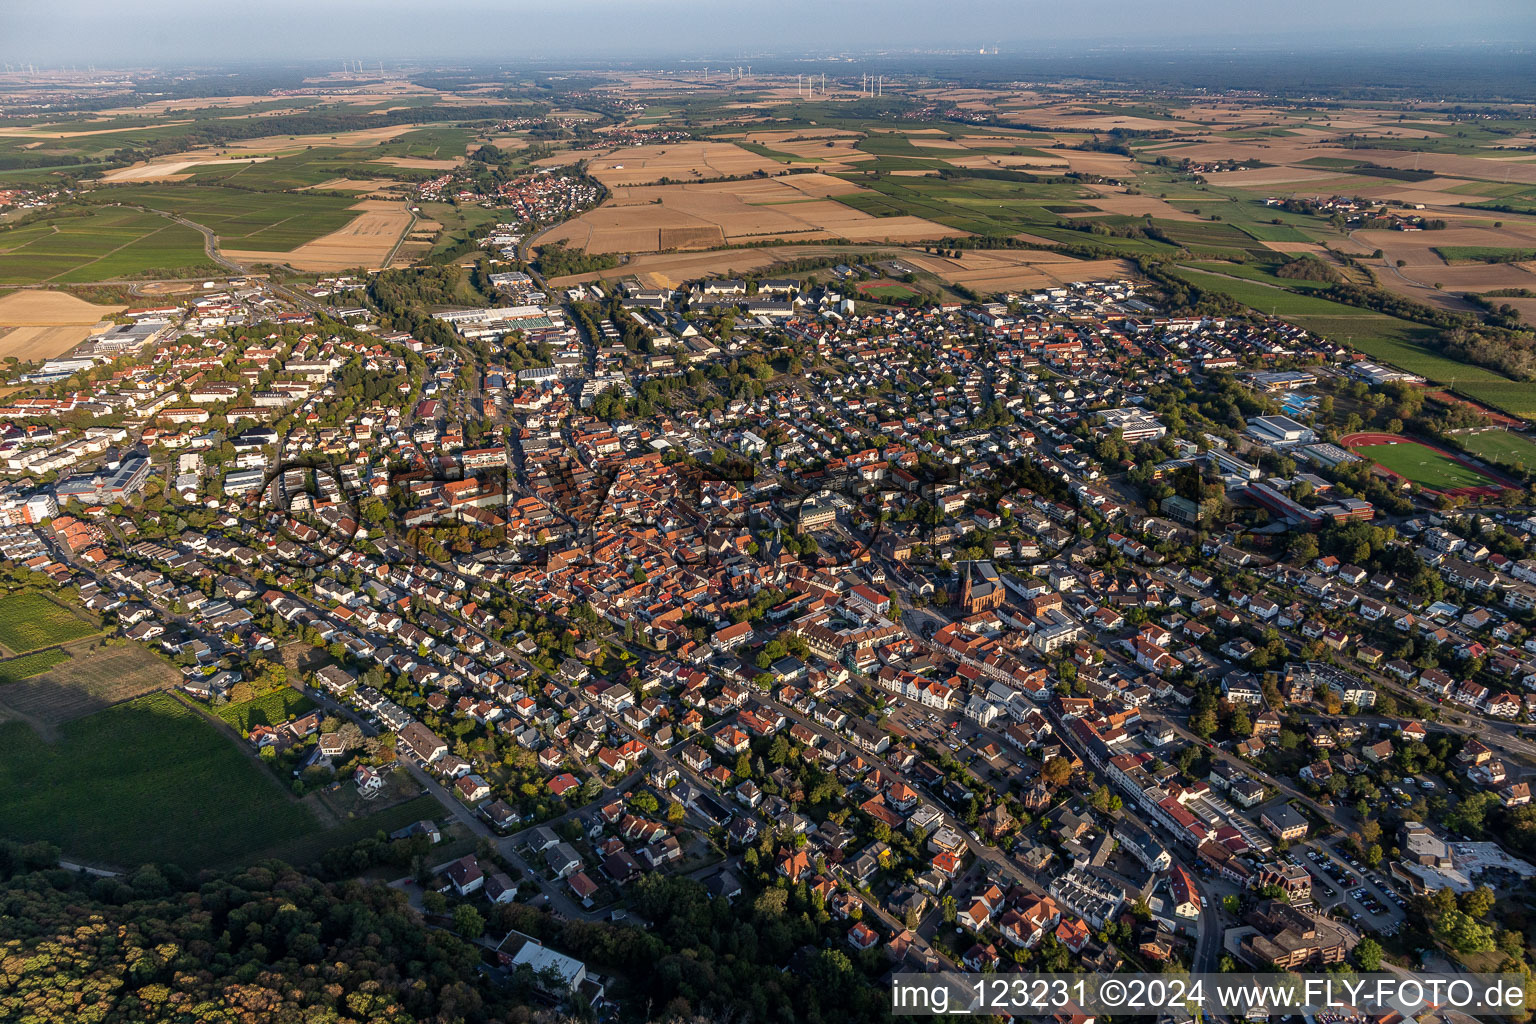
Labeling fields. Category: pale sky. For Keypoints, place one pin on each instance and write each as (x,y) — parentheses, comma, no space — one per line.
(143,32)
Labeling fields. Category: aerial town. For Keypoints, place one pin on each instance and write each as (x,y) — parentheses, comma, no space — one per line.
(621,616)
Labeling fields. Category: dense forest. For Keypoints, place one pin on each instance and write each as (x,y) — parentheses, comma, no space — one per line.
(263,944)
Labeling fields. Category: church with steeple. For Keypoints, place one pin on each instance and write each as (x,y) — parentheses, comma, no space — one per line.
(981,589)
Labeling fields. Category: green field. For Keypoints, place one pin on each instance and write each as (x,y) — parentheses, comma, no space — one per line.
(28,665)
(1401,343)
(887,290)
(1262,273)
(775,154)
(1483,254)
(1516,397)
(1268,298)
(1424,466)
(264,221)
(31,621)
(149,780)
(273,708)
(103,244)
(986,206)
(1500,447)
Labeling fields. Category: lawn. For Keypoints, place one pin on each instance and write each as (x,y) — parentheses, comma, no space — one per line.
(31,621)
(273,708)
(28,665)
(1500,447)
(1424,466)
(264,221)
(887,290)
(149,780)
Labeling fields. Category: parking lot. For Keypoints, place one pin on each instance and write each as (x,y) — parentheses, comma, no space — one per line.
(1343,886)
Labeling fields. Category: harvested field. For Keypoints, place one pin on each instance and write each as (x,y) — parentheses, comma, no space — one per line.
(659,217)
(370,185)
(680,161)
(819,186)
(1015,269)
(1423,267)
(671,269)
(835,149)
(1114,202)
(172,169)
(29,343)
(365,241)
(294,143)
(1296,247)
(38,308)
(413,163)
(1527,308)
(1484,168)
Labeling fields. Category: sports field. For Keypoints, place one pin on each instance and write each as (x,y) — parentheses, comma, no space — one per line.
(1502,447)
(1424,465)
(31,621)
(149,780)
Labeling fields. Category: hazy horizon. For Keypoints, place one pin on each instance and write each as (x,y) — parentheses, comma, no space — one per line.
(53,33)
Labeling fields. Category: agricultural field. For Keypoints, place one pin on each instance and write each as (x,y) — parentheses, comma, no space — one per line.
(1252,290)
(657,218)
(1483,254)
(37,324)
(457,222)
(1401,343)
(1002,270)
(99,244)
(95,675)
(28,665)
(679,161)
(267,222)
(365,241)
(1518,398)
(1502,447)
(149,780)
(271,709)
(29,622)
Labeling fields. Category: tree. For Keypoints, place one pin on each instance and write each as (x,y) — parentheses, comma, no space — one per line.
(1478,902)
(468,922)
(1057,772)
(1368,955)
(350,735)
